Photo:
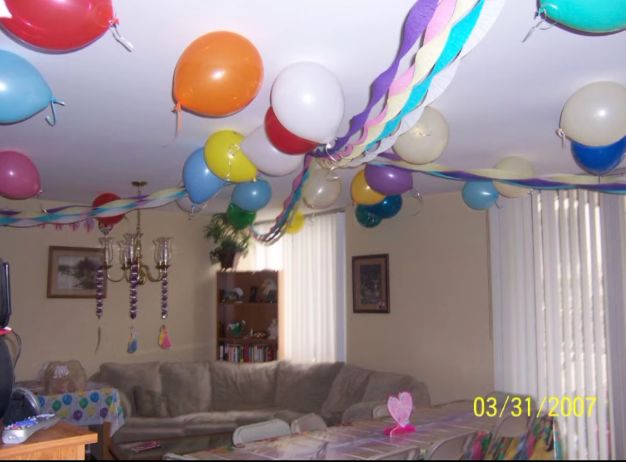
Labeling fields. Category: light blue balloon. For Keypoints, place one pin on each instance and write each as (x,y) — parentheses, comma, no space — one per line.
(200,182)
(480,195)
(252,196)
(595,16)
(23,91)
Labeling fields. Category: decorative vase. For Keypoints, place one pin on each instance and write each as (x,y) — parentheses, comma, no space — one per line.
(229,260)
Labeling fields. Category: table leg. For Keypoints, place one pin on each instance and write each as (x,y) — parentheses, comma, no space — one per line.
(106,441)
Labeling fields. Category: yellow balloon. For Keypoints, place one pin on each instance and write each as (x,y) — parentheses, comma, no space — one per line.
(517,165)
(361,191)
(225,158)
(296,223)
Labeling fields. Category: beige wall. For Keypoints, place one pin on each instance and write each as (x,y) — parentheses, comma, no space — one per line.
(439,326)
(60,329)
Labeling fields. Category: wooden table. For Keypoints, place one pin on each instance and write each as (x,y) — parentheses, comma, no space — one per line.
(63,441)
(361,440)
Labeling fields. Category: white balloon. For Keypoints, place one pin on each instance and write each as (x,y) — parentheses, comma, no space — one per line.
(308,101)
(269,160)
(321,190)
(517,165)
(596,114)
(185,204)
(425,142)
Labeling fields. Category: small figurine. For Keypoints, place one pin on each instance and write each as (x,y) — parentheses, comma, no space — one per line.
(272,330)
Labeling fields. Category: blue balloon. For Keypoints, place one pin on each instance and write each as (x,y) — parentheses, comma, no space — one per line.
(599,160)
(23,91)
(252,196)
(480,195)
(595,16)
(366,218)
(200,182)
(387,208)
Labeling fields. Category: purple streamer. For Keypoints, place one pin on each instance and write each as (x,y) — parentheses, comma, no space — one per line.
(418,18)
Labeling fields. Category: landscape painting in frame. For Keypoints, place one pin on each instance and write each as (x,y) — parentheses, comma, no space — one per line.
(72,271)
(370,284)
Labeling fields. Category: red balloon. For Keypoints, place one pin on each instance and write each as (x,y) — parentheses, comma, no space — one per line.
(103,199)
(283,139)
(58,25)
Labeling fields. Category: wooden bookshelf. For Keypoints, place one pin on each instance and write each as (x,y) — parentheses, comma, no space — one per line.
(253,297)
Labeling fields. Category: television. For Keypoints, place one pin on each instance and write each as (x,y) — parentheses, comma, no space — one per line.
(5,294)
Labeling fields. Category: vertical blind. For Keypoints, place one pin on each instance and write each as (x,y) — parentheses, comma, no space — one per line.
(550,319)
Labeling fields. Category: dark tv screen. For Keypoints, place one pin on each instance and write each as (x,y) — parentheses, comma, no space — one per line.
(5,294)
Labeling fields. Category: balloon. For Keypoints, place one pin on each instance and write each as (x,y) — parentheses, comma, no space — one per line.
(596,114)
(218,74)
(223,155)
(295,224)
(387,208)
(58,25)
(201,184)
(362,193)
(425,142)
(185,204)
(23,91)
(308,101)
(283,139)
(517,165)
(102,199)
(318,191)
(365,217)
(238,217)
(599,160)
(269,160)
(597,16)
(252,196)
(19,178)
(480,195)
(388,180)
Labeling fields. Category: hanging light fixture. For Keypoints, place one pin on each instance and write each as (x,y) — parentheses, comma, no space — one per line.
(134,270)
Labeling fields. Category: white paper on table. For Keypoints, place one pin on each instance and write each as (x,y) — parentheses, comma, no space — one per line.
(4,11)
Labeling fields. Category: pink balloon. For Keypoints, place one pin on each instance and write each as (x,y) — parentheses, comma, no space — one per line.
(19,178)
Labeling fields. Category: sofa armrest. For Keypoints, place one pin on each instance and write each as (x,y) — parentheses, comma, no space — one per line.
(360,411)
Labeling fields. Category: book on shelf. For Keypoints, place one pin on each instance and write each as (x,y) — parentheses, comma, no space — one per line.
(247,353)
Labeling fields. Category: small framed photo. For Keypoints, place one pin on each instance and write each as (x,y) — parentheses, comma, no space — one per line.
(72,271)
(370,284)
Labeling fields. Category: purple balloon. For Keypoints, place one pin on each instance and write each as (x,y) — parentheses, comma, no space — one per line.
(388,180)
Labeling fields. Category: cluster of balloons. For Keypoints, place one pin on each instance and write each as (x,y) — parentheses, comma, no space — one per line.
(594,119)
(23,90)
(58,26)
(370,216)
(597,16)
(19,177)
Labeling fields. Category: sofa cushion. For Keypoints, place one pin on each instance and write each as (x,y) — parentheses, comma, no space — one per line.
(149,428)
(383,384)
(304,387)
(242,386)
(348,388)
(187,386)
(125,377)
(149,403)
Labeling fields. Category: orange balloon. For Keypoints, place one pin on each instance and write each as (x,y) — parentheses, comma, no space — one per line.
(218,74)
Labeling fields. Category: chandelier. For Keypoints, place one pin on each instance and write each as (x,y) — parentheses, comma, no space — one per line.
(134,270)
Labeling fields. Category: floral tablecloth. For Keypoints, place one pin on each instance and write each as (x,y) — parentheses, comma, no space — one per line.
(92,406)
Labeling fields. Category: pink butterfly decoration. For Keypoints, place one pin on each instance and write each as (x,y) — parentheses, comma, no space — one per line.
(400,409)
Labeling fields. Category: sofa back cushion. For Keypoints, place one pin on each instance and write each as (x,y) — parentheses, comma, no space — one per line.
(383,384)
(347,389)
(304,387)
(125,377)
(242,386)
(187,387)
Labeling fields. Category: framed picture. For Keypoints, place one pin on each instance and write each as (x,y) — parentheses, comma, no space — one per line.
(370,284)
(72,271)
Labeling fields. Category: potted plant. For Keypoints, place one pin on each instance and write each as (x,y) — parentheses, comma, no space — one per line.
(230,243)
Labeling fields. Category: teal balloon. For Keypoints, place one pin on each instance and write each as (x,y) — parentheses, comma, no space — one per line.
(594,16)
(23,90)
(200,182)
(387,208)
(239,218)
(480,195)
(365,217)
(252,196)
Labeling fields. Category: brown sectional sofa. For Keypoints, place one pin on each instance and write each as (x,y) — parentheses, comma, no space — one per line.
(196,405)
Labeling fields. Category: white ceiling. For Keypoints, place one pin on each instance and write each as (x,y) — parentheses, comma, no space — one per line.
(117,125)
